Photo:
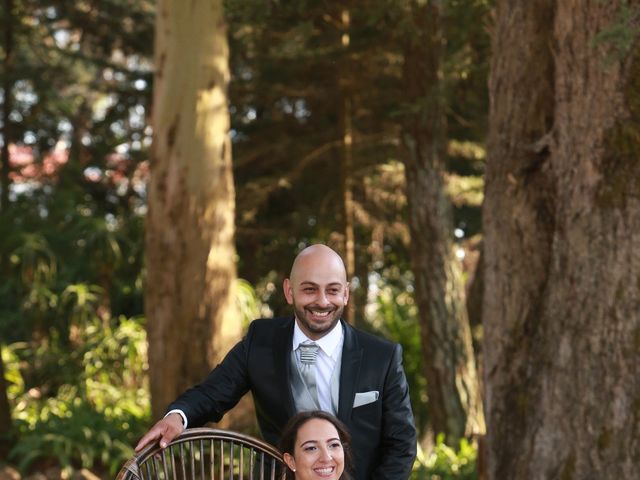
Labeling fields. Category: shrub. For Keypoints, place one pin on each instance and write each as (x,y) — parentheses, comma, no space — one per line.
(93,422)
(445,463)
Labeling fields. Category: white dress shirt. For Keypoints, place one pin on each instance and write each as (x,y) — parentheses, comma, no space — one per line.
(328,353)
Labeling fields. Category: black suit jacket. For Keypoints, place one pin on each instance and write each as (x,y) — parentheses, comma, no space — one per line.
(383,432)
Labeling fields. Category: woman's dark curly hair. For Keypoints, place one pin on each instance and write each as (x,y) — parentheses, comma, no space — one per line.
(290,433)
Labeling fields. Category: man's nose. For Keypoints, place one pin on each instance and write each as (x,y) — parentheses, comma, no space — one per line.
(323,300)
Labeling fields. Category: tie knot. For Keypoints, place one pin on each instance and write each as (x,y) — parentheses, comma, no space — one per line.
(308,353)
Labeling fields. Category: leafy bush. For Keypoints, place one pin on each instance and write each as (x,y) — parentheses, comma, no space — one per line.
(93,422)
(73,432)
(248,303)
(394,315)
(445,463)
(89,403)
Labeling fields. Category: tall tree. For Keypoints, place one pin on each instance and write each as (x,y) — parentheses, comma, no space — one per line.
(7,96)
(561,216)
(287,62)
(190,257)
(346,166)
(452,383)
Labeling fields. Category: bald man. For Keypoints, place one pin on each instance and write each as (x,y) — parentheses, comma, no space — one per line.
(355,375)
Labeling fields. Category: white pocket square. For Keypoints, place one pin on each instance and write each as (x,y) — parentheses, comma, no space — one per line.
(365,397)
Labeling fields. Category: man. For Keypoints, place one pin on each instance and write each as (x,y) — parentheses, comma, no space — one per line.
(356,376)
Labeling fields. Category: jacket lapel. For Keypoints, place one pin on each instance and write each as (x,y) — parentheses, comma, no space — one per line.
(282,341)
(349,372)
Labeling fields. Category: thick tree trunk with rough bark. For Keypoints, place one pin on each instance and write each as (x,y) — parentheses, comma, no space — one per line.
(561,308)
(452,383)
(190,256)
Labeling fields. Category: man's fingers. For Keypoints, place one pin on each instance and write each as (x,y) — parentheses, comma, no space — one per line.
(166,438)
(151,436)
(166,430)
(172,428)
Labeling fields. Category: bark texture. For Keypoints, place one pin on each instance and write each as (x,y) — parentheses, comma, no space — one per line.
(561,309)
(190,256)
(452,383)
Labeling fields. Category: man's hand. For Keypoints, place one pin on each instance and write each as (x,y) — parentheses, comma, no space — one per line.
(165,430)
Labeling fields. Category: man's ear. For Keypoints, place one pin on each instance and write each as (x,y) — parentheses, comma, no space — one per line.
(291,463)
(288,291)
(346,294)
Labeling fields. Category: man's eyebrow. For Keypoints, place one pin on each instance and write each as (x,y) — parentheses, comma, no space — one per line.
(313,284)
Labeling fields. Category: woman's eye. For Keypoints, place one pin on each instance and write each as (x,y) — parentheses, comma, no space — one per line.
(309,449)
(336,445)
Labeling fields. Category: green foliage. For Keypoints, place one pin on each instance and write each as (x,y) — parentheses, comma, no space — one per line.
(12,374)
(249,304)
(74,72)
(395,316)
(92,421)
(445,463)
(75,434)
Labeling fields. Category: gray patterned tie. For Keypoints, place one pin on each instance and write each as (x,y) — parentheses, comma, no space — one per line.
(308,355)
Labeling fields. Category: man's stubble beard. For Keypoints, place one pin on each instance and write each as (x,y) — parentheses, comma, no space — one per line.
(302,318)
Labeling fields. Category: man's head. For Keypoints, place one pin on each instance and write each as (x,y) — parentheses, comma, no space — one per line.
(318,290)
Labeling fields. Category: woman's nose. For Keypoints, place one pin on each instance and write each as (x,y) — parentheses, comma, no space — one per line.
(325,454)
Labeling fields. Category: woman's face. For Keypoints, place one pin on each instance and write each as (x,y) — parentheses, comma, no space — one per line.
(318,452)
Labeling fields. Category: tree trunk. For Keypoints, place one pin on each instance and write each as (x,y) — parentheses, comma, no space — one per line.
(190,257)
(561,219)
(7,105)
(347,169)
(452,382)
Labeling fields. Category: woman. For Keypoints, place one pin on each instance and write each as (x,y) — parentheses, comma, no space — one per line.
(315,445)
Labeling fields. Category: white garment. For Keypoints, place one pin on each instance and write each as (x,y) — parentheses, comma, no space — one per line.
(330,347)
(184,417)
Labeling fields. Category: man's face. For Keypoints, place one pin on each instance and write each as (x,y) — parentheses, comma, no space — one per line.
(318,291)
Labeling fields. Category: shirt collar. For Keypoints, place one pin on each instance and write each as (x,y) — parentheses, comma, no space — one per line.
(328,343)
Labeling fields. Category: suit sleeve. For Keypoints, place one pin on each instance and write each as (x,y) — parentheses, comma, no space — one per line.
(399,437)
(220,391)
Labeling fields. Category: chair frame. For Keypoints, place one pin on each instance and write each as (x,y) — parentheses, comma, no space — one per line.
(154,462)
